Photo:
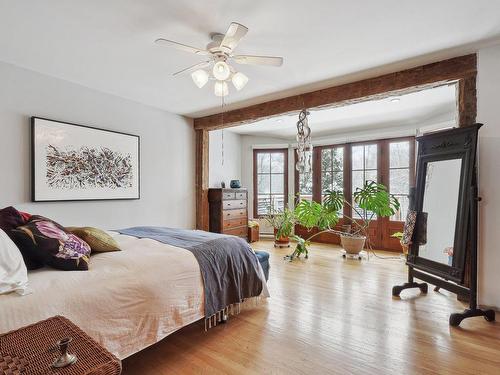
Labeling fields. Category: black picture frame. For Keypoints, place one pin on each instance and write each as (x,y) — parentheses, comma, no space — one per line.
(33,167)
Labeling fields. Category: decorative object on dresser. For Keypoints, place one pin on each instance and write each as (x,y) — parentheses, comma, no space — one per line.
(24,351)
(235,184)
(76,162)
(228,211)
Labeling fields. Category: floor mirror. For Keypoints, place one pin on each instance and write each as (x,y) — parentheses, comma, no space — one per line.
(443,249)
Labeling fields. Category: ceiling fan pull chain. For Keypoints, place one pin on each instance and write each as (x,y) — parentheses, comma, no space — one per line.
(222,131)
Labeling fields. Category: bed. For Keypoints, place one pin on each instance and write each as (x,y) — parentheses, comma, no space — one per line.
(127,301)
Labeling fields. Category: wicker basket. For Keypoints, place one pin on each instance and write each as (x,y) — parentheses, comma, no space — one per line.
(31,350)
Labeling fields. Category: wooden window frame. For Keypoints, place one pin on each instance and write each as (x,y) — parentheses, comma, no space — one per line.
(256,151)
(382,165)
(411,162)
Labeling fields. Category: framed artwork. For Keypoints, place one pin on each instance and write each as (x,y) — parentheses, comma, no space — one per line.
(71,162)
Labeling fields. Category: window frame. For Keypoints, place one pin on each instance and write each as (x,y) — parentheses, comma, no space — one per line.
(378,144)
(296,175)
(383,165)
(411,165)
(257,151)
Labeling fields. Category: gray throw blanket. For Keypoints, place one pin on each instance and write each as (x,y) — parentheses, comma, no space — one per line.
(229,267)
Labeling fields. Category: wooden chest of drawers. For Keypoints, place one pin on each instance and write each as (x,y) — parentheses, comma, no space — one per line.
(228,211)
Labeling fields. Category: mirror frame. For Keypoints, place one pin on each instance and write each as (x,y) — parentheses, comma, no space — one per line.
(457,143)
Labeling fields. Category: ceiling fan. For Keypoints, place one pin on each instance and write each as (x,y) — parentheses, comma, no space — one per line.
(217,55)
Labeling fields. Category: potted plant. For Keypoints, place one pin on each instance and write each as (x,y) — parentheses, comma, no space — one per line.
(370,200)
(399,236)
(283,223)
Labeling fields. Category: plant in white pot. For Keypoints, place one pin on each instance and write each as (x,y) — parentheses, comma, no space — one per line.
(371,201)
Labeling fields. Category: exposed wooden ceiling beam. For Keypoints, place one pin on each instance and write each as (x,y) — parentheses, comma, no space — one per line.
(463,67)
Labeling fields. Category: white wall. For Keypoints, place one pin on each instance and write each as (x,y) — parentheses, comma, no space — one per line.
(225,168)
(488,91)
(167,151)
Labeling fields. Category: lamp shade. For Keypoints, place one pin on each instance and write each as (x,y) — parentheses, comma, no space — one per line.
(221,71)
(239,80)
(200,77)
(221,88)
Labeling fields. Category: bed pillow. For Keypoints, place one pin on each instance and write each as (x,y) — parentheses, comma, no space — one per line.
(13,272)
(26,216)
(10,219)
(98,240)
(45,242)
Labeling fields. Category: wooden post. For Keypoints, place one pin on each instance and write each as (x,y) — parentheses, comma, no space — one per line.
(467,102)
(201,170)
(461,69)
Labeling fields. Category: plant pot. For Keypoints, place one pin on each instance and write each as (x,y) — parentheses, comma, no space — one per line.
(352,245)
(283,241)
(405,248)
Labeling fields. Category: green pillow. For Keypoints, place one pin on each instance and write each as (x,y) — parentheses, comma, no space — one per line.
(98,240)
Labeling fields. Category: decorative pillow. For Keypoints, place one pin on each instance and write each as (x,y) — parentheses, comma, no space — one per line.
(13,272)
(26,216)
(45,242)
(98,240)
(10,219)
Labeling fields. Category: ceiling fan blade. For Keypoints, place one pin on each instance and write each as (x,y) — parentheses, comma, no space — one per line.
(191,68)
(233,36)
(180,46)
(258,60)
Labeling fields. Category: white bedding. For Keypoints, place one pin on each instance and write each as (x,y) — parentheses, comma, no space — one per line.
(128,300)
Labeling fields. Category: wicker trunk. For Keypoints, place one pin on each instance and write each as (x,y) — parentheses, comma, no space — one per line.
(31,350)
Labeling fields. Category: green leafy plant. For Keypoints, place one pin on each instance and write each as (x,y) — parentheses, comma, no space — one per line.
(312,214)
(398,235)
(370,200)
(282,221)
(300,248)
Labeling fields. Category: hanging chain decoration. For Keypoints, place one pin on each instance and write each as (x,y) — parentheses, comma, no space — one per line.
(304,145)
(222,130)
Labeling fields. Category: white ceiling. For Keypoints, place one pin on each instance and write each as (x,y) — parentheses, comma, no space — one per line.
(108,45)
(432,107)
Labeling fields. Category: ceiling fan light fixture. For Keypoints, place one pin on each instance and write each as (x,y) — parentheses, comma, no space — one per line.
(200,77)
(221,71)
(239,80)
(221,88)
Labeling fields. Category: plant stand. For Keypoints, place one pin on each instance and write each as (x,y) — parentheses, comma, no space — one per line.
(362,254)
(282,245)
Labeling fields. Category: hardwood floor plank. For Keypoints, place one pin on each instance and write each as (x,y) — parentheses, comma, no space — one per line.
(329,315)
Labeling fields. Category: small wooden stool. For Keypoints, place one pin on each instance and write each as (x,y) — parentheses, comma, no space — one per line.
(253,234)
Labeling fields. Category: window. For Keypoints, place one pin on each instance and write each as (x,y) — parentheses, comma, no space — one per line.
(305,183)
(332,169)
(346,167)
(270,180)
(399,176)
(363,168)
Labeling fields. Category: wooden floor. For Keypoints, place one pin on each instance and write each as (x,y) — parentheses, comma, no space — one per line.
(328,315)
